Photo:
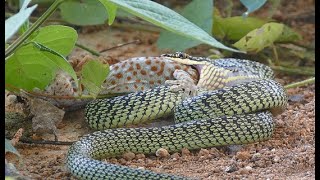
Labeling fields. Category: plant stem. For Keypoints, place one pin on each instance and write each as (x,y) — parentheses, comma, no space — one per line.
(35,26)
(275,54)
(292,71)
(93,52)
(301,83)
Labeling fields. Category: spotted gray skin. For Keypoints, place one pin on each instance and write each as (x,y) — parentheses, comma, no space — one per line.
(231,115)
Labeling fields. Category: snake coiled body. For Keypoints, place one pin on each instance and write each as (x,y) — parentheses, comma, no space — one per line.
(231,115)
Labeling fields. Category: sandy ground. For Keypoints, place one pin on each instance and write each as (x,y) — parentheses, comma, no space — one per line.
(289,154)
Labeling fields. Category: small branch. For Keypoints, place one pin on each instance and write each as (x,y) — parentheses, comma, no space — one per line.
(121,45)
(274,49)
(301,83)
(93,52)
(63,143)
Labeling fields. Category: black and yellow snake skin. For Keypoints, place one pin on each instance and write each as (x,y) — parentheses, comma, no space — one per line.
(231,115)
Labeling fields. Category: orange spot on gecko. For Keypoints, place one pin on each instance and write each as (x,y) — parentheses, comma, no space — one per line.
(127,87)
(143,72)
(128,78)
(123,64)
(157,61)
(177,67)
(130,68)
(138,66)
(154,68)
(138,80)
(159,81)
(135,86)
(116,67)
(134,73)
(113,82)
(151,82)
(142,88)
(167,77)
(131,62)
(119,75)
(148,61)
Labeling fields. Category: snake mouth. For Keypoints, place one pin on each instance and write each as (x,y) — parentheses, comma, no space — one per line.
(198,67)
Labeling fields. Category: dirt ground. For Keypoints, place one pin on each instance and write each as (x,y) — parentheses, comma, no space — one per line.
(289,154)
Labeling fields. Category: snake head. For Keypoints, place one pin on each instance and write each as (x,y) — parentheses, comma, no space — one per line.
(178,54)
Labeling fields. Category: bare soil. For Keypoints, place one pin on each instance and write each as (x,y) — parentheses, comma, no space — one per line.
(289,154)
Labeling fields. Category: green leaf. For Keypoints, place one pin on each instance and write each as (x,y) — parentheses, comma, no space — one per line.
(260,38)
(288,35)
(234,28)
(167,19)
(13,23)
(10,148)
(112,11)
(85,12)
(34,66)
(93,74)
(252,5)
(59,38)
(200,13)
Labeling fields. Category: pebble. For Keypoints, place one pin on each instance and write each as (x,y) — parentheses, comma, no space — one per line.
(162,153)
(122,161)
(230,169)
(185,152)
(113,160)
(140,156)
(203,152)
(249,168)
(276,159)
(128,156)
(243,155)
(175,156)
(256,156)
(78,126)
(243,171)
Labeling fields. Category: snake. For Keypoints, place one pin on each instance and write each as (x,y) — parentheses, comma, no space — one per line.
(237,114)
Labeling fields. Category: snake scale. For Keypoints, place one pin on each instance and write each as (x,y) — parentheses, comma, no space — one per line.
(235,114)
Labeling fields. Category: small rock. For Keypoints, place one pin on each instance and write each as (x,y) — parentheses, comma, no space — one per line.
(122,161)
(113,160)
(215,152)
(230,169)
(128,156)
(140,156)
(78,126)
(249,168)
(203,152)
(243,155)
(185,152)
(175,156)
(162,153)
(243,171)
(256,156)
(276,159)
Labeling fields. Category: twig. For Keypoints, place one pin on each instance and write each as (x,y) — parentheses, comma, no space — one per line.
(301,83)
(63,143)
(121,45)
(93,52)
